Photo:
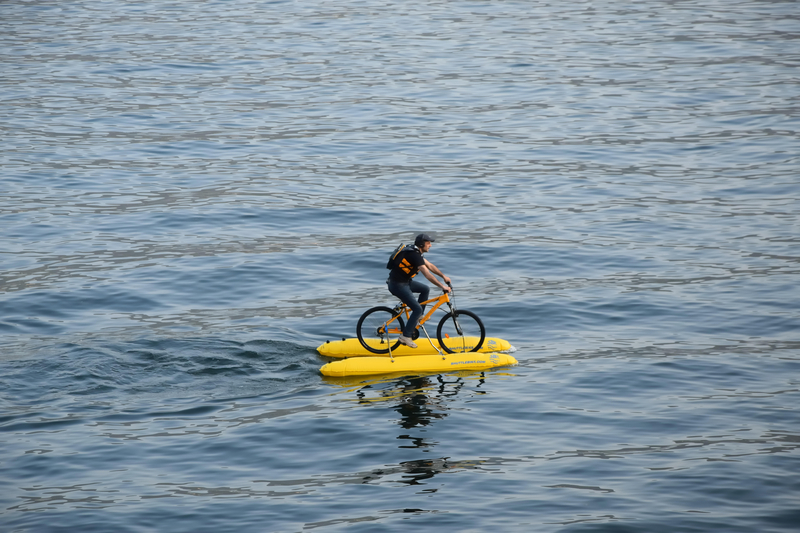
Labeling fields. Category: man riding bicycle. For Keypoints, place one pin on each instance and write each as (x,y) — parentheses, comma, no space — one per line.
(406,265)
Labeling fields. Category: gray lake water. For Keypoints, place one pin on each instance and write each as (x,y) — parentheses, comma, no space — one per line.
(195,195)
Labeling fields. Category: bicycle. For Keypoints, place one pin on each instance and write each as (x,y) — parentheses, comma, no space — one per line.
(459,331)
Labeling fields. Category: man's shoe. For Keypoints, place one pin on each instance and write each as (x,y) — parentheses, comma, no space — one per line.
(408,342)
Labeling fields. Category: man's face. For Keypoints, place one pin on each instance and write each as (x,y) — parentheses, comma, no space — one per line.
(426,246)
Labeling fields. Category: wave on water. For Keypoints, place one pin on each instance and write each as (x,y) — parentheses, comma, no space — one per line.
(151,370)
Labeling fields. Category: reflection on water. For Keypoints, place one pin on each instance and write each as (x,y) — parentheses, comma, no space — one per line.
(419,400)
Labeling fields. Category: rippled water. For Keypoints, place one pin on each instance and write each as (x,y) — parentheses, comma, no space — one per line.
(195,195)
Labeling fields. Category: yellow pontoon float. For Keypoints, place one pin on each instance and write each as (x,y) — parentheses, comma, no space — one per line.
(353,348)
(428,357)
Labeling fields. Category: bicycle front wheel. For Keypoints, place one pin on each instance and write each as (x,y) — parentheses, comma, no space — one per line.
(379,328)
(461,332)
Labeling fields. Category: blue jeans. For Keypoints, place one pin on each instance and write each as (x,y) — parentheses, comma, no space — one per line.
(405,291)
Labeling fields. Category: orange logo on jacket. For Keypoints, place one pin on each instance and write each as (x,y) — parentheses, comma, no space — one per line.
(406,267)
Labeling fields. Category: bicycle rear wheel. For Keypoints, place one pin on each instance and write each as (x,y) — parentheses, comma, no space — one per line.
(461,332)
(378,328)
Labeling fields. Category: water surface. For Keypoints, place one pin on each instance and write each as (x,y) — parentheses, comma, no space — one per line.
(196,195)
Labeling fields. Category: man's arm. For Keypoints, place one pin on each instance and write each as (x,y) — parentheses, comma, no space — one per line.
(429,267)
(436,271)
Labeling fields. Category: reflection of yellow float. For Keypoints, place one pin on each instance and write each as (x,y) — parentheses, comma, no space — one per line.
(378,383)
(357,361)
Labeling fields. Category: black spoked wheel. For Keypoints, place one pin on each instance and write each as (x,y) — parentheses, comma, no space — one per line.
(461,332)
(378,328)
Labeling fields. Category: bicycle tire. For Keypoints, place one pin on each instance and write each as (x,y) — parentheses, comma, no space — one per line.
(454,341)
(368,330)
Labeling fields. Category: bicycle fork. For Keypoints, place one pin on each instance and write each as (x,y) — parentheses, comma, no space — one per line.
(455,319)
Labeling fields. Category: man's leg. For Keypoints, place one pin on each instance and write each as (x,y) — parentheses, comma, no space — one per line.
(403,291)
(423,290)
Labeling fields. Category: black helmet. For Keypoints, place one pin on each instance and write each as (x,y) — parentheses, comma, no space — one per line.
(421,238)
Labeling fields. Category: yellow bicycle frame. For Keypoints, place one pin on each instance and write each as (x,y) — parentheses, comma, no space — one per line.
(444,298)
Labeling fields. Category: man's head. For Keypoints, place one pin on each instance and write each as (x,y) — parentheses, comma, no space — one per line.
(423,242)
